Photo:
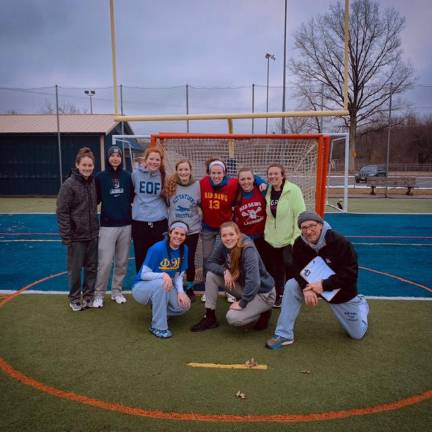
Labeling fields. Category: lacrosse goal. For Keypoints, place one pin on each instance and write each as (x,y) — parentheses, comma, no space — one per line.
(305,157)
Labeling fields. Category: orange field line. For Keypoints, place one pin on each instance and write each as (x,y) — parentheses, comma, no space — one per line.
(20,291)
(227,418)
(397,278)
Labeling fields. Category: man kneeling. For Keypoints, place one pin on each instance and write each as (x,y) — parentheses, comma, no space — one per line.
(336,283)
(236,265)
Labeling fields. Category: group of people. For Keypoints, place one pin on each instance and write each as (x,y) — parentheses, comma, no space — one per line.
(256,239)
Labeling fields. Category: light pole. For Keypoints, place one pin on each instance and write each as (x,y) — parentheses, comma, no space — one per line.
(268,56)
(90,93)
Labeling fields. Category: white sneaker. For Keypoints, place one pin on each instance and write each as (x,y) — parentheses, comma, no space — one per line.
(230,298)
(97,302)
(119,298)
(203,298)
(76,307)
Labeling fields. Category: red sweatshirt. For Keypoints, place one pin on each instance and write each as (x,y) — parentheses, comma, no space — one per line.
(217,204)
(250,213)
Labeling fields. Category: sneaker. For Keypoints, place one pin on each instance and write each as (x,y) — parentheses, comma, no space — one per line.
(76,307)
(190,293)
(277,342)
(87,303)
(230,298)
(203,298)
(278,302)
(163,334)
(263,320)
(97,302)
(119,298)
(208,322)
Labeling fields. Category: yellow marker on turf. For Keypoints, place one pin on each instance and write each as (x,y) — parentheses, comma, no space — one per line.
(228,366)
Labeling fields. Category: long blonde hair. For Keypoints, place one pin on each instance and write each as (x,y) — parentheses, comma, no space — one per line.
(174,180)
(236,251)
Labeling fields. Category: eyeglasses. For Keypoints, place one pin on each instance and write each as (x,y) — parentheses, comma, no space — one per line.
(305,228)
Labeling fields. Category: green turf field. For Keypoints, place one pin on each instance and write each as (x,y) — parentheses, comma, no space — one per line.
(109,355)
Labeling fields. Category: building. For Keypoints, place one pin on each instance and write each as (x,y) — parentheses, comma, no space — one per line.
(32,148)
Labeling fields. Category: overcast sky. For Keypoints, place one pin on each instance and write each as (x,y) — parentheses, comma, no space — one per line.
(168,43)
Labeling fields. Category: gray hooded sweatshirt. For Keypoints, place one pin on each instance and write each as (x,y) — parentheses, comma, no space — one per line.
(148,205)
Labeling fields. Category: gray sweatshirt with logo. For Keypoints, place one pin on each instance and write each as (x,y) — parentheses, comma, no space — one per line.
(148,205)
(184,206)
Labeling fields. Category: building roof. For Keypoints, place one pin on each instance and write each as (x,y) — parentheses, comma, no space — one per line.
(47,123)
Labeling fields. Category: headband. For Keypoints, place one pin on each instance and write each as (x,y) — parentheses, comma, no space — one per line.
(217,163)
(179,224)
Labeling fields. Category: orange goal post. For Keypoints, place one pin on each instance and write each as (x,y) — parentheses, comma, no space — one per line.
(304,156)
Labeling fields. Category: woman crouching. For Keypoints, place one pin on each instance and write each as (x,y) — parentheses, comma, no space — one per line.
(236,266)
(160,279)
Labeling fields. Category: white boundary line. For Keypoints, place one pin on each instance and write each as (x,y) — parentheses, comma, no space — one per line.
(8,292)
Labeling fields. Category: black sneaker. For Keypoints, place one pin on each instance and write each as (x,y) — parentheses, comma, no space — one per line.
(190,293)
(278,302)
(263,320)
(206,323)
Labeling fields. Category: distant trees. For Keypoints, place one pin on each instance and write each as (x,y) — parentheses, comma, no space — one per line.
(64,108)
(376,66)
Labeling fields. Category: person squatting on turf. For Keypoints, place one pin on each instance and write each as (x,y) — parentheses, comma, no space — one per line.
(284,203)
(79,228)
(114,189)
(160,279)
(351,309)
(236,266)
(149,210)
(184,197)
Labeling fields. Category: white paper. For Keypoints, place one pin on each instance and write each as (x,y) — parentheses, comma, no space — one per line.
(318,270)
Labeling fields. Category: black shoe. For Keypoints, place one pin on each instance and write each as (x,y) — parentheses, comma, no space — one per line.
(263,320)
(190,293)
(208,322)
(278,302)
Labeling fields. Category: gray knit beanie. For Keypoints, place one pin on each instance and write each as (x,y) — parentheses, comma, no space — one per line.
(309,216)
(115,149)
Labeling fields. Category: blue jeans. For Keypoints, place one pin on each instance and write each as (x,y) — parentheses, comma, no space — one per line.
(352,315)
(163,303)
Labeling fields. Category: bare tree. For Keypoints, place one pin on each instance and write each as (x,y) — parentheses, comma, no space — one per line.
(376,66)
(64,108)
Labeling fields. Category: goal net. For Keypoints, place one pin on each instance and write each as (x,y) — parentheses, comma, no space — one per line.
(305,157)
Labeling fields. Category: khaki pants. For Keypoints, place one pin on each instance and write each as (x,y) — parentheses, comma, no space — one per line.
(259,304)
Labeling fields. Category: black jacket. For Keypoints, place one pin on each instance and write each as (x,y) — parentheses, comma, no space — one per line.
(339,255)
(77,209)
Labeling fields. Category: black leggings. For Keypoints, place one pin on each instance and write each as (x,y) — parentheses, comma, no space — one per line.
(279,264)
(145,235)
(192,242)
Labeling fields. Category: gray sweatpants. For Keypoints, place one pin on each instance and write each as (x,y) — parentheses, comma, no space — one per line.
(114,244)
(352,315)
(259,304)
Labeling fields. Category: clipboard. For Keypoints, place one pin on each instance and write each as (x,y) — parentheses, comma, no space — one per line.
(318,270)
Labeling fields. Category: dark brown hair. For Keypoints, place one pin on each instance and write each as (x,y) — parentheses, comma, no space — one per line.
(209,161)
(84,152)
(276,165)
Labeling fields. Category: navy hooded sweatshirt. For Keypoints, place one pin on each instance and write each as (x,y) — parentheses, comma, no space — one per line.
(114,189)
